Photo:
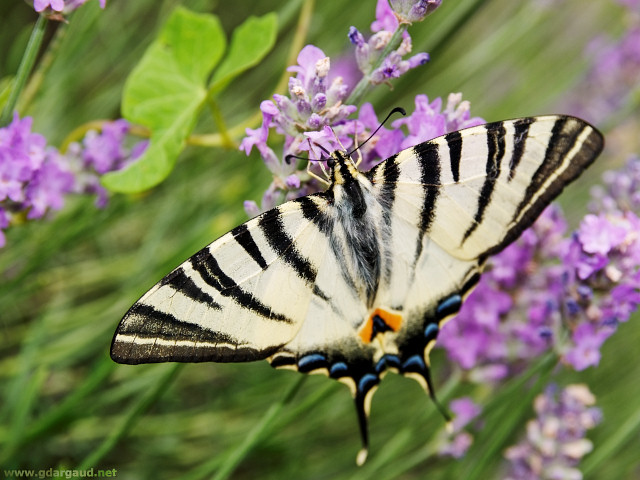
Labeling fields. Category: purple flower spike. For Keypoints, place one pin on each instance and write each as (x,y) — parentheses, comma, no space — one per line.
(555,441)
(369,52)
(33,178)
(48,185)
(429,120)
(102,152)
(586,350)
(385,18)
(458,441)
(315,102)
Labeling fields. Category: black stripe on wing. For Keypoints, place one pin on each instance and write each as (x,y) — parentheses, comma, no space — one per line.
(243,236)
(564,137)
(207,266)
(390,174)
(313,212)
(519,140)
(454,142)
(172,340)
(430,178)
(284,246)
(495,147)
(181,282)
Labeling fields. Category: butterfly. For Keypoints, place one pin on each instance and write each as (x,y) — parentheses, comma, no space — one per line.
(359,279)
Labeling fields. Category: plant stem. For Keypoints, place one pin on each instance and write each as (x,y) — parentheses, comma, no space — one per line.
(233,460)
(217,139)
(129,420)
(26,65)
(218,118)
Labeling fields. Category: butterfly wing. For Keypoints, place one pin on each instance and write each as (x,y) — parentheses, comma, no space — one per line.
(239,299)
(478,189)
(468,195)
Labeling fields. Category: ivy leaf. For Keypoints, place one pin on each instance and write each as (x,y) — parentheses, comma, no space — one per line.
(165,92)
(250,42)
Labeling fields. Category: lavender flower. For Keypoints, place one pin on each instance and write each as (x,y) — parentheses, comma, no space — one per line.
(313,104)
(456,442)
(613,78)
(528,302)
(100,153)
(555,440)
(65,6)
(35,178)
(369,52)
(429,120)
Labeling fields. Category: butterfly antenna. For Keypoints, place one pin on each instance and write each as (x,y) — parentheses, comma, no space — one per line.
(288,158)
(395,110)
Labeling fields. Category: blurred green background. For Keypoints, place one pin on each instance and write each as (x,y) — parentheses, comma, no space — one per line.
(66,282)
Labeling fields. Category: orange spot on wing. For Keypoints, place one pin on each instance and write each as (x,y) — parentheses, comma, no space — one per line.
(392,320)
(366,330)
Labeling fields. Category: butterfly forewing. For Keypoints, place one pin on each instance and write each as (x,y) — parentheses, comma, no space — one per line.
(226,303)
(479,188)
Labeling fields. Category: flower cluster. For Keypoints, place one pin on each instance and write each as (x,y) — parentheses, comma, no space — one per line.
(314,116)
(528,302)
(555,440)
(614,76)
(35,178)
(315,102)
(513,313)
(457,441)
(99,153)
(428,120)
(61,6)
(369,53)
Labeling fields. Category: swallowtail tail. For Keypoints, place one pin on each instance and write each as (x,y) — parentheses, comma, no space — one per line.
(359,279)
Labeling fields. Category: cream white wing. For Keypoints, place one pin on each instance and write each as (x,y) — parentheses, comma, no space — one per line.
(474,191)
(244,296)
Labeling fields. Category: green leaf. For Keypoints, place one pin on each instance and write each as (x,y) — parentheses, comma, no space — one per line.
(165,93)
(250,42)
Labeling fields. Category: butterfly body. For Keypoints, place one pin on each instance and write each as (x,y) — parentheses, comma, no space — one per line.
(359,279)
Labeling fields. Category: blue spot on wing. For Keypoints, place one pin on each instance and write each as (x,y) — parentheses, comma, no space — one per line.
(448,306)
(387,361)
(312,361)
(367,382)
(431,331)
(414,363)
(338,370)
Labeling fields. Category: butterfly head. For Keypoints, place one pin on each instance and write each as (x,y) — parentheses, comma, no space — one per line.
(342,168)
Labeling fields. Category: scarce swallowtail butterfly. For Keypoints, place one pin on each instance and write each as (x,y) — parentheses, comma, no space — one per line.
(359,279)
